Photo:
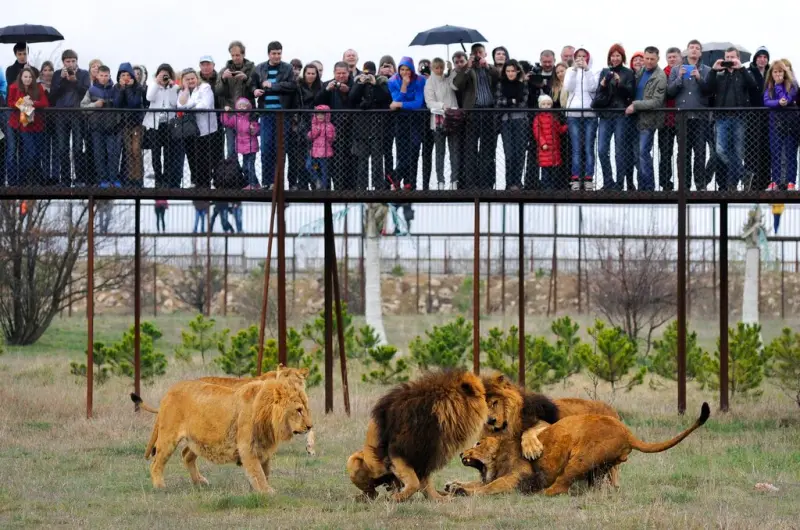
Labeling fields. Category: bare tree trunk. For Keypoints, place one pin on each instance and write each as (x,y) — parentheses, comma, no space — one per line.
(375,214)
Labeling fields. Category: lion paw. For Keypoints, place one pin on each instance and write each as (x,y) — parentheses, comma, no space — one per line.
(202,481)
(310,451)
(448,487)
(532,448)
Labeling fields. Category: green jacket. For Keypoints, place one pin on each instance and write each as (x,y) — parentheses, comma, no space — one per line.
(655,92)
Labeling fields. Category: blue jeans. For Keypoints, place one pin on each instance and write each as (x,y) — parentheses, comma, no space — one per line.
(230,141)
(408,138)
(618,127)
(730,149)
(67,123)
(106,148)
(322,175)
(237,217)
(646,172)
(199,219)
(515,138)
(269,146)
(783,144)
(249,167)
(549,178)
(582,134)
(220,210)
(20,172)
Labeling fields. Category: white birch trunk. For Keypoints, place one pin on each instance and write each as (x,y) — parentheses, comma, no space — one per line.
(372,270)
(750,293)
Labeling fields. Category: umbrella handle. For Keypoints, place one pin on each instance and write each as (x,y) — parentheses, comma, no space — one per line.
(462,47)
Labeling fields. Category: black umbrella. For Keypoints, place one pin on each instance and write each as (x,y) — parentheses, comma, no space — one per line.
(448,35)
(713,51)
(29,33)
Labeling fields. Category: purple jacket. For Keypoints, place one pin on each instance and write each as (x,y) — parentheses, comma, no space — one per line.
(774,103)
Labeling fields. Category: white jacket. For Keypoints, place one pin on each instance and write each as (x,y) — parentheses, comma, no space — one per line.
(581,86)
(439,96)
(202,98)
(160,98)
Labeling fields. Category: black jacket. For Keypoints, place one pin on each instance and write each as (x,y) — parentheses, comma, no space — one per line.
(757,92)
(366,96)
(615,95)
(731,89)
(334,98)
(538,86)
(285,84)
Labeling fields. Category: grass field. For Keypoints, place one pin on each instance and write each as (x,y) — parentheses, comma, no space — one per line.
(59,469)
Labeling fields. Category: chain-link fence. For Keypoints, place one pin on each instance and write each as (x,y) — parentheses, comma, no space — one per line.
(361,150)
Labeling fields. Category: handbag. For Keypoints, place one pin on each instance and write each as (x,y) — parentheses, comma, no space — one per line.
(183,126)
(454,120)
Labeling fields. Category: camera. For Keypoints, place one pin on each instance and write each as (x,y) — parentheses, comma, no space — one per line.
(166,78)
(425,70)
(336,85)
(727,64)
(537,69)
(70,71)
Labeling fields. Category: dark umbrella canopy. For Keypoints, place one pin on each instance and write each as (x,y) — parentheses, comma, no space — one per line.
(29,33)
(713,51)
(447,35)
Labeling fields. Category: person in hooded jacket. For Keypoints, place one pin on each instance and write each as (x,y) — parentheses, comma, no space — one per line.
(408,94)
(370,92)
(512,93)
(581,83)
(246,128)
(129,94)
(757,147)
(105,128)
(615,91)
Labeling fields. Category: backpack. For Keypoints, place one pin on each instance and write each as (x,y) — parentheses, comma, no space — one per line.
(228,175)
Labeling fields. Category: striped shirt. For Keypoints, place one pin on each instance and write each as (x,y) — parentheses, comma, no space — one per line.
(484,96)
(272,100)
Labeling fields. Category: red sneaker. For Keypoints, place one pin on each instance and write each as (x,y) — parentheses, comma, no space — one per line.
(791,187)
(772,187)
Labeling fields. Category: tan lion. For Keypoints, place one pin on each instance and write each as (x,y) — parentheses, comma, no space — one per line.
(517,411)
(293,376)
(414,431)
(226,425)
(577,447)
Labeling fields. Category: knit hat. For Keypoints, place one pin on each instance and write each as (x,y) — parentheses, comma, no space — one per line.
(634,56)
(388,59)
(543,98)
(762,50)
(369,67)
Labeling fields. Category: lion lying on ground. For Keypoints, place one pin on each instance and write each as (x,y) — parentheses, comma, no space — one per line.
(520,412)
(293,376)
(576,447)
(416,428)
(226,425)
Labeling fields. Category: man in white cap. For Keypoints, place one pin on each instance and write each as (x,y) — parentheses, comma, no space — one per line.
(209,75)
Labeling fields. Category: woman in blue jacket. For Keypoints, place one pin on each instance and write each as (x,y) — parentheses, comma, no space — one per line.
(408,94)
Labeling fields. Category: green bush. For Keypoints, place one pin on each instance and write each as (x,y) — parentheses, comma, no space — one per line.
(366,339)
(315,332)
(746,362)
(542,363)
(566,331)
(610,358)
(200,338)
(784,350)
(665,360)
(385,373)
(296,357)
(102,368)
(444,347)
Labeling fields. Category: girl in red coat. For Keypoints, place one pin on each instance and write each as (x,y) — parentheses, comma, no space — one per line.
(25,128)
(547,131)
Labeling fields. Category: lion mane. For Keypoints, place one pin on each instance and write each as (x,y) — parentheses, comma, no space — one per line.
(293,376)
(226,425)
(576,447)
(415,429)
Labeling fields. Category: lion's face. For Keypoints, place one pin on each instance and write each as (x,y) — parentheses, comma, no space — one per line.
(298,417)
(482,454)
(497,413)
(504,402)
(293,376)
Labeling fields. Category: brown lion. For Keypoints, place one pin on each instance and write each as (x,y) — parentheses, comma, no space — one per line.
(416,428)
(582,446)
(293,376)
(226,425)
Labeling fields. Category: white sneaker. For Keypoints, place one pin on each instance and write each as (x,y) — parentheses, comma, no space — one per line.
(588,185)
(575,185)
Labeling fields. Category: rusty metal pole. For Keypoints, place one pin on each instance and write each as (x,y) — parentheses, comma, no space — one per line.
(682,242)
(137,298)
(521,295)
(346,251)
(416,310)
(580,259)
(723,307)
(476,292)
(503,265)
(328,312)
(265,291)
(155,277)
(225,279)
(714,256)
(208,266)
(279,172)
(488,257)
(430,260)
(339,325)
(90,311)
(783,286)
(362,287)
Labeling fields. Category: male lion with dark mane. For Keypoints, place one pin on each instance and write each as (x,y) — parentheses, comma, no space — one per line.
(292,376)
(226,425)
(415,429)
(582,446)
(520,412)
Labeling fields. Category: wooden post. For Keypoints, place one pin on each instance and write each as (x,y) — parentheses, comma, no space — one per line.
(279,172)
(137,298)
(723,307)
(328,214)
(155,277)
(682,273)
(90,311)
(265,291)
(488,257)
(521,296)
(225,280)
(476,293)
(339,323)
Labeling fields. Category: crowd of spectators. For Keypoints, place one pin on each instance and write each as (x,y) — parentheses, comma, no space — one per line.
(220,123)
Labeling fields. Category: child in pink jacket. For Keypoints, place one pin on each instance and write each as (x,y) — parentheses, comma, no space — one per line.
(322,135)
(247,131)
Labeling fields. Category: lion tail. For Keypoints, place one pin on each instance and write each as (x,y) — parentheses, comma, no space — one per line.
(138,403)
(645,447)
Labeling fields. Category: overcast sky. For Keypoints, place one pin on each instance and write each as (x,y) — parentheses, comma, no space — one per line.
(179,32)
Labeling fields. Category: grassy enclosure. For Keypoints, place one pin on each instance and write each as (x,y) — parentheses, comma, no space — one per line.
(58,468)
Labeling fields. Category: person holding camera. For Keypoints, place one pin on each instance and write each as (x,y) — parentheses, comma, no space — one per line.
(731,84)
(581,83)
(233,83)
(163,96)
(370,92)
(196,94)
(129,94)
(615,92)
(70,84)
(336,94)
